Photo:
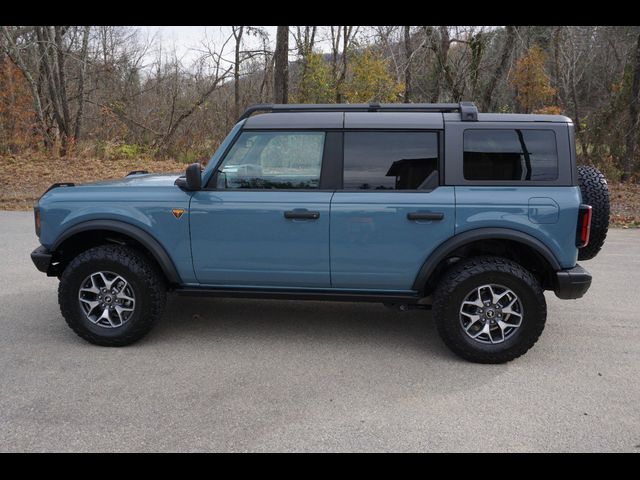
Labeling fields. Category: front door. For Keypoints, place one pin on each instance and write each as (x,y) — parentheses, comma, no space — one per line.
(264,222)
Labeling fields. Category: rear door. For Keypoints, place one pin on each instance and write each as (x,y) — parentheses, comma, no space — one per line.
(392,211)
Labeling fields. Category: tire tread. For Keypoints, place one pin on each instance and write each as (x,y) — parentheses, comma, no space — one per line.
(130,259)
(595,192)
(469,268)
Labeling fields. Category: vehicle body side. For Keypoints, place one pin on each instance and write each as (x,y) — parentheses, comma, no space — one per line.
(362,241)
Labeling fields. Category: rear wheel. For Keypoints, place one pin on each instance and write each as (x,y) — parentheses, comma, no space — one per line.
(111,295)
(489,309)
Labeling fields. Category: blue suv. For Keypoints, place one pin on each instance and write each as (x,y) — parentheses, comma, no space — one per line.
(429,206)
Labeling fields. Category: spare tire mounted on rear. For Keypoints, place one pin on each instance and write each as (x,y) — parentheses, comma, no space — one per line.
(595,192)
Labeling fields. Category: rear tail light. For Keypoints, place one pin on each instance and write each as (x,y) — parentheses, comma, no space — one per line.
(584,226)
(36,214)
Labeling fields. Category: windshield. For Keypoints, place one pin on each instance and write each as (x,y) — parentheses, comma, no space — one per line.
(208,171)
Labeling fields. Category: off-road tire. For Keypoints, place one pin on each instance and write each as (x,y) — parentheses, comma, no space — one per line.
(595,192)
(145,278)
(468,274)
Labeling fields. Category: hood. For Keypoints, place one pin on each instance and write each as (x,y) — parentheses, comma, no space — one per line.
(134,185)
(139,180)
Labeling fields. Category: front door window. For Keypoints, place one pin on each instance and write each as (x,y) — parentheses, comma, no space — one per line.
(273,160)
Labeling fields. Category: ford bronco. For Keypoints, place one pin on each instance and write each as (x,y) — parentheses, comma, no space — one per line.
(429,206)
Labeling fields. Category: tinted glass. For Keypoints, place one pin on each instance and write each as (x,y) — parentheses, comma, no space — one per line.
(390,160)
(266,160)
(521,155)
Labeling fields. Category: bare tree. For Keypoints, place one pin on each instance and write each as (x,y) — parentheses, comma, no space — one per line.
(19,50)
(501,68)
(43,55)
(632,134)
(305,38)
(237,33)
(344,34)
(557,37)
(477,45)
(281,70)
(439,44)
(408,50)
(81,79)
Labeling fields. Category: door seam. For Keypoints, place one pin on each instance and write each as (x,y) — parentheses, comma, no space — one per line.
(330,261)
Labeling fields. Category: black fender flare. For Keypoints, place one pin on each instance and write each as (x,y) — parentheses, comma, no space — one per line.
(156,250)
(470,236)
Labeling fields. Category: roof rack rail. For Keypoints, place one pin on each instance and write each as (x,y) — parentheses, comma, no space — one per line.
(468,110)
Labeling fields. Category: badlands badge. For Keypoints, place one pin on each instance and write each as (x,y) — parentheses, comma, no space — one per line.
(177,212)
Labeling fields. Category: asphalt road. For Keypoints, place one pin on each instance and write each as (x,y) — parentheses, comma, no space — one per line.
(256,375)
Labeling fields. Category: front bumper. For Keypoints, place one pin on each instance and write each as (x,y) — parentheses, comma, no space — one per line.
(572,283)
(41,258)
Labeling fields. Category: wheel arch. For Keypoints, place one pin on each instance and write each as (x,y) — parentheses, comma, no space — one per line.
(438,259)
(101,229)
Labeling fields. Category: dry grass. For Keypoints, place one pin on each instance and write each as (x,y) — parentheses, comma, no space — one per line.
(24,179)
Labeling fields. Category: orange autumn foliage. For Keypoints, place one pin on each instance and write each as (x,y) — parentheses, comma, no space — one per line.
(531,82)
(17,118)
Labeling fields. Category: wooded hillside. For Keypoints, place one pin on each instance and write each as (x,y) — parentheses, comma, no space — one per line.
(109,92)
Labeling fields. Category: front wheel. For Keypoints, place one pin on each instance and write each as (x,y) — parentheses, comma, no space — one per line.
(111,295)
(489,309)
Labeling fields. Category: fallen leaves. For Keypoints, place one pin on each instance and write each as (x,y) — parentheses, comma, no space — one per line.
(625,205)
(24,178)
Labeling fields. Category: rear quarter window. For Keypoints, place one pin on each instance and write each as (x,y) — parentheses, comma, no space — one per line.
(510,155)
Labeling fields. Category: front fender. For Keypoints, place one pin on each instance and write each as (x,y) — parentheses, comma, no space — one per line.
(147,218)
(145,239)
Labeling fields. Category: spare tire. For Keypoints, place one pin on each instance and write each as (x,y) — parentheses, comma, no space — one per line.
(595,192)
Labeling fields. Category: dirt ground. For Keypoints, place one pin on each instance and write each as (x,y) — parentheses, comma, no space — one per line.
(23,180)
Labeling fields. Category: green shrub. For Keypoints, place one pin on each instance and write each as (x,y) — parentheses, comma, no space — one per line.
(115,150)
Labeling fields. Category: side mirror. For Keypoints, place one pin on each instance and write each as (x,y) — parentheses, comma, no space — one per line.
(192,180)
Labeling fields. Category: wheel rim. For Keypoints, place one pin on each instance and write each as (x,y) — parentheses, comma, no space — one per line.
(107,299)
(491,314)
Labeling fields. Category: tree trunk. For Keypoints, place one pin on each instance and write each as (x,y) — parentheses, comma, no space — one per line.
(557,34)
(83,69)
(335,50)
(305,46)
(576,116)
(236,71)
(346,36)
(477,45)
(62,78)
(632,134)
(281,69)
(49,60)
(507,50)
(408,50)
(441,51)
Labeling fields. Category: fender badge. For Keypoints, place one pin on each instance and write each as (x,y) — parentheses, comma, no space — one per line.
(177,212)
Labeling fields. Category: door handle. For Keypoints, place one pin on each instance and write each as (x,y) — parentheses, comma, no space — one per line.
(301,214)
(425,215)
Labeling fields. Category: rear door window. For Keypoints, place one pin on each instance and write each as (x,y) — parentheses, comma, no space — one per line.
(390,160)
